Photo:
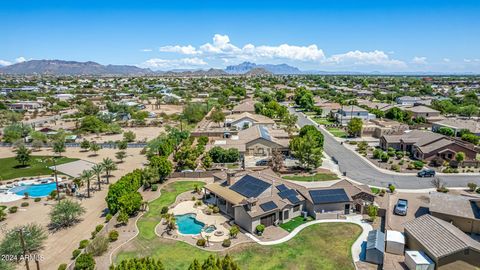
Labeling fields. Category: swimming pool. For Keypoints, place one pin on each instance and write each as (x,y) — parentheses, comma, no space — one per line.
(40,190)
(187,224)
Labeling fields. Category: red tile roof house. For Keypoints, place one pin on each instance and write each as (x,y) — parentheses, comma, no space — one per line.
(426,145)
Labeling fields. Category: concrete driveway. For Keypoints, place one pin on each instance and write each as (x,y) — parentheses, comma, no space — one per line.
(417,206)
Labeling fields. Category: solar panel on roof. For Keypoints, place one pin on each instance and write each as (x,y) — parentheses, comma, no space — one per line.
(287,193)
(281,187)
(268,206)
(293,199)
(329,196)
(249,186)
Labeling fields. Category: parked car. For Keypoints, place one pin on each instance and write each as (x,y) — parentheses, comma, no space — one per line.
(262,162)
(426,173)
(401,207)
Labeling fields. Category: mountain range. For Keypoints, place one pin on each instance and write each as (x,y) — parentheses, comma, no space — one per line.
(274,69)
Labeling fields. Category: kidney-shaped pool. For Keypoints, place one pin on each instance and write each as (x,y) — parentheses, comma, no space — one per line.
(187,224)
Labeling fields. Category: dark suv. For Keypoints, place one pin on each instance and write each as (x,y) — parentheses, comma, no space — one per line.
(426,173)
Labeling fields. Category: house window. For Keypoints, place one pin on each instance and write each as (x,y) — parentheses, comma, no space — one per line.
(296,208)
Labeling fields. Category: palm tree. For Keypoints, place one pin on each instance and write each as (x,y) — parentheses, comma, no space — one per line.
(98,169)
(87,176)
(109,166)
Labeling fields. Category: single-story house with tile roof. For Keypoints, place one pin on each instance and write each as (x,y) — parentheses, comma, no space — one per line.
(441,241)
(426,145)
(245,106)
(261,197)
(458,125)
(423,112)
(257,140)
(463,211)
(245,120)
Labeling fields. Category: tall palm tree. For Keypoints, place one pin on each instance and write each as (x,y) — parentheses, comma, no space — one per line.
(97,169)
(109,166)
(86,176)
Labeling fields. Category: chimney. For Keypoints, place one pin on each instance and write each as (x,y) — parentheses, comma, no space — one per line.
(230,175)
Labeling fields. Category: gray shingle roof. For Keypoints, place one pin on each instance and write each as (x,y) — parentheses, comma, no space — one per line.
(439,237)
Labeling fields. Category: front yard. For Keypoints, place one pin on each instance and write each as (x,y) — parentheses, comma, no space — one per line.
(337,132)
(38,165)
(320,246)
(294,223)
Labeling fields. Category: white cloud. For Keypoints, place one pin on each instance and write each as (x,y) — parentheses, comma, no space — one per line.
(189,50)
(146,50)
(158,63)
(20,59)
(419,60)
(4,63)
(359,58)
(446,60)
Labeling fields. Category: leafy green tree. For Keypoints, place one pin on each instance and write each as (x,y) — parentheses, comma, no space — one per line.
(122,218)
(85,262)
(139,264)
(15,132)
(471,138)
(94,147)
(446,131)
(109,166)
(23,155)
(130,203)
(354,127)
(122,145)
(120,155)
(194,113)
(460,157)
(217,116)
(163,166)
(58,147)
(129,136)
(66,213)
(88,108)
(24,241)
(307,151)
(92,124)
(207,161)
(85,145)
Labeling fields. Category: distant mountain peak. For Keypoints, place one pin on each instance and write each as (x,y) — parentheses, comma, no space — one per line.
(245,67)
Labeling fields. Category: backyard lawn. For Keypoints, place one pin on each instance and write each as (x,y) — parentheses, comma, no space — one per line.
(320,246)
(10,168)
(294,223)
(149,220)
(337,132)
(323,121)
(312,178)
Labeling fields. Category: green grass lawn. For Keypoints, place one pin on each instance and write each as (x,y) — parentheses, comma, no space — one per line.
(375,190)
(294,223)
(321,246)
(10,168)
(149,220)
(323,121)
(337,132)
(312,178)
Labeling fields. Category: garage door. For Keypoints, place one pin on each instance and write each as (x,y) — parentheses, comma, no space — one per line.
(268,220)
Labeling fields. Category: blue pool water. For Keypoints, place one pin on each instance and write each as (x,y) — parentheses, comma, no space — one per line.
(187,224)
(41,190)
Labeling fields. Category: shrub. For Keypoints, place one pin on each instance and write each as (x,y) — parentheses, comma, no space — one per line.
(98,228)
(395,167)
(3,215)
(391,188)
(98,246)
(216,210)
(382,192)
(208,211)
(377,153)
(164,210)
(85,262)
(154,187)
(53,194)
(83,244)
(201,242)
(75,253)
(13,209)
(62,266)
(113,235)
(472,186)
(127,184)
(372,212)
(260,228)
(108,217)
(384,157)
(234,230)
(93,234)
(65,214)
(24,204)
(26,195)
(226,243)
(418,164)
(37,199)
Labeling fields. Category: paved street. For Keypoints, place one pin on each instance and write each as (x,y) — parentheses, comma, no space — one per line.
(360,170)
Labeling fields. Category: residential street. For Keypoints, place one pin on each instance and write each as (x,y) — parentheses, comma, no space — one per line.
(360,170)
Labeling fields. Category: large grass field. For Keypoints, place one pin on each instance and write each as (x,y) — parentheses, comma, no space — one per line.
(10,168)
(321,246)
(312,178)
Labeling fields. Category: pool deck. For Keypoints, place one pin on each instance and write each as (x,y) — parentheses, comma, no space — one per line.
(218,220)
(8,196)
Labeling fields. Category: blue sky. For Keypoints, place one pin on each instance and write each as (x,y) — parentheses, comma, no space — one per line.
(312,35)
